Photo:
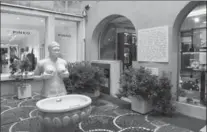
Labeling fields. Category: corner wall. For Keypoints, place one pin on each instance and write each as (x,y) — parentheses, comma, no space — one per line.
(143,14)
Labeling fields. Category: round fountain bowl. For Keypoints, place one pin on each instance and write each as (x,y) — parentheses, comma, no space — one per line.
(63,113)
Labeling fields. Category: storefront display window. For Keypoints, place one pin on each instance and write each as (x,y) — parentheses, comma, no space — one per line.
(118,41)
(66,36)
(193,79)
(21,36)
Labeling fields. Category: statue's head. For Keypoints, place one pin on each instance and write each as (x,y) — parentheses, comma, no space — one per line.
(54,49)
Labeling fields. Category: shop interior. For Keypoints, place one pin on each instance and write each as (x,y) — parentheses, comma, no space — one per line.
(21,36)
(118,41)
(193,66)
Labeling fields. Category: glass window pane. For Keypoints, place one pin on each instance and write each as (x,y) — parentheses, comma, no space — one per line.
(22,36)
(66,36)
(193,79)
(108,45)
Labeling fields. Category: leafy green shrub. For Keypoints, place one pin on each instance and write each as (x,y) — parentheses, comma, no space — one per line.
(163,102)
(84,77)
(138,82)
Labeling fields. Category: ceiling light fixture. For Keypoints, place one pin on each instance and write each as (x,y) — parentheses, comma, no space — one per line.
(42,20)
(204,22)
(18,18)
(197,13)
(196,19)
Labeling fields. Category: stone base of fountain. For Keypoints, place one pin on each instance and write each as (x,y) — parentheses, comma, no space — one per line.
(63,122)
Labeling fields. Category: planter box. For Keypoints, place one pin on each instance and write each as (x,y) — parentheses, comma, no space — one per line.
(24,92)
(140,105)
(194,111)
(203,129)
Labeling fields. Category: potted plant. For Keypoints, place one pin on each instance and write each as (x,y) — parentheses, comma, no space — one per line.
(19,72)
(139,85)
(84,78)
(163,101)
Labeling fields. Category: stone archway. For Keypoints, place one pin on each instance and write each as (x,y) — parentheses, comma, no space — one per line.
(176,29)
(112,21)
(196,111)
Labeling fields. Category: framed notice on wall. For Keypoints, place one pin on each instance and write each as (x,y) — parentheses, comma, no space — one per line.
(153,44)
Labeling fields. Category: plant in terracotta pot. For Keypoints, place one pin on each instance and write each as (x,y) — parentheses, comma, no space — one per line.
(84,78)
(19,72)
(139,85)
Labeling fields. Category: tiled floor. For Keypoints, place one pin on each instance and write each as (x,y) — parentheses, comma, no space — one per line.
(20,115)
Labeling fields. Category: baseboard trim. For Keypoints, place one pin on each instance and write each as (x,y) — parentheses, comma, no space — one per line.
(198,112)
(193,111)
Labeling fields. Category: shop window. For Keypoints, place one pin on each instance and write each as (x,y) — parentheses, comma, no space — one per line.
(193,79)
(118,41)
(108,44)
(21,36)
(66,36)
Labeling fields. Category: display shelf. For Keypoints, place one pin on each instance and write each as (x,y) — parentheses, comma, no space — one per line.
(193,57)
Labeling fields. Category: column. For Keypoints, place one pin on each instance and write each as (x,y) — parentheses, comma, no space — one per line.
(50,33)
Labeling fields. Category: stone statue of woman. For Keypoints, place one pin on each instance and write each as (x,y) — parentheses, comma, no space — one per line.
(52,70)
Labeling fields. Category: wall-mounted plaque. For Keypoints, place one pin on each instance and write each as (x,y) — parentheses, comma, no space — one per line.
(153,44)
(155,71)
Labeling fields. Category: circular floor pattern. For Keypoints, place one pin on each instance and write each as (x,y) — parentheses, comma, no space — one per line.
(100,130)
(26,125)
(15,114)
(136,129)
(3,108)
(36,97)
(98,122)
(33,113)
(102,111)
(119,111)
(11,103)
(29,102)
(171,128)
(132,120)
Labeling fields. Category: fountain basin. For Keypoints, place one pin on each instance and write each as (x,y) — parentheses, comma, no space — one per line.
(63,113)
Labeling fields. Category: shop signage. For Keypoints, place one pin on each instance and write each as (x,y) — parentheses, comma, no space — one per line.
(153,44)
(64,35)
(21,32)
(154,71)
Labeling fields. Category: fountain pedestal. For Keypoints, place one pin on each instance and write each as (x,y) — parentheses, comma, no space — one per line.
(64,113)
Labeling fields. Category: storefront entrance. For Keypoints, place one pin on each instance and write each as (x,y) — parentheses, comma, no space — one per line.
(118,41)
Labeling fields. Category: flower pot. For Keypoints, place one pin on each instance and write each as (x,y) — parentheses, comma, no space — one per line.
(140,105)
(24,91)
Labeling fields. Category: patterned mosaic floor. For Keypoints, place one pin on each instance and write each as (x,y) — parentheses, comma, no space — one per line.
(20,115)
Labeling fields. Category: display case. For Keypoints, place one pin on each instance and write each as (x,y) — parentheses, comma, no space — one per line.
(126,48)
(193,64)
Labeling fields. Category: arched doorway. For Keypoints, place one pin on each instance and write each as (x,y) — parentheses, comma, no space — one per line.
(192,57)
(116,37)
